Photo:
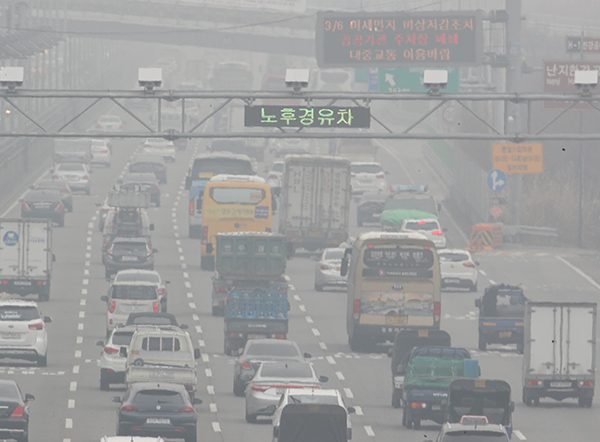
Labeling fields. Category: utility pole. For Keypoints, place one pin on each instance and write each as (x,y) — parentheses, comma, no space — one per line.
(512,111)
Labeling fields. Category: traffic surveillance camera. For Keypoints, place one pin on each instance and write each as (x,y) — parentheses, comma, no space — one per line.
(296,78)
(149,78)
(586,80)
(434,80)
(11,77)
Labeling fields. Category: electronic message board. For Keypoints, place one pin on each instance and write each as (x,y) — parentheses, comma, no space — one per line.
(397,39)
(304,116)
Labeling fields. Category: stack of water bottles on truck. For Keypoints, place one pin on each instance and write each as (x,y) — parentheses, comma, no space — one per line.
(249,288)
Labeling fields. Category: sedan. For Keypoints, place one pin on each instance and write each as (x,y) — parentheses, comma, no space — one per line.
(458,269)
(66,196)
(151,409)
(109,123)
(144,163)
(128,253)
(144,182)
(76,174)
(100,152)
(370,208)
(158,146)
(327,270)
(113,364)
(367,177)
(271,380)
(257,351)
(43,204)
(14,422)
(148,276)
(430,227)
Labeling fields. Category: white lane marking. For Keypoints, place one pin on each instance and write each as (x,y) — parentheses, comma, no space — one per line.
(322,345)
(79,339)
(94,218)
(68,423)
(89,239)
(87,263)
(175,227)
(579,272)
(198,329)
(330,360)
(188,285)
(78,353)
(210,389)
(340,375)
(208,372)
(76,369)
(213,408)
(86,281)
(190,295)
(519,435)
(183,266)
(216,427)
(297,298)
(176,235)
(482,272)
(205,357)
(348,393)
(80,326)
(358,410)
(369,431)
(71,403)
(82,314)
(192,306)
(201,343)
(90,225)
(309,319)
(302,308)
(88,247)
(178,242)
(73,386)
(287,278)
(316,332)
(66,440)
(86,272)
(82,302)
(84,291)
(179,249)
(195,317)
(492,282)
(291,287)
(182,258)
(185,275)
(88,255)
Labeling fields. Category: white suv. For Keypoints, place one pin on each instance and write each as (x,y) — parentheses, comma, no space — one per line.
(22,331)
(367,177)
(129,297)
(430,227)
(112,364)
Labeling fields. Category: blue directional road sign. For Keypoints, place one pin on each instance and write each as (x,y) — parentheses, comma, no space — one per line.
(496,180)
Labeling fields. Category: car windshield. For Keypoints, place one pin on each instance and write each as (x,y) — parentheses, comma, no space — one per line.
(122,338)
(422,225)
(366,168)
(134,247)
(158,397)
(18,313)
(71,167)
(453,257)
(149,277)
(147,159)
(286,371)
(51,184)
(237,195)
(134,292)
(277,167)
(265,349)
(313,399)
(334,254)
(475,436)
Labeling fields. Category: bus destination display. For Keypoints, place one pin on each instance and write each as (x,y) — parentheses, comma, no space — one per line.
(397,39)
(415,263)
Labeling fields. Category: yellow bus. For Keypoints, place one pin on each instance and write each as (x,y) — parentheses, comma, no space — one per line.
(233,203)
(393,284)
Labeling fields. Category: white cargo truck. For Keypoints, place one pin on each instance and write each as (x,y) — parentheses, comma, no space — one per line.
(559,359)
(315,205)
(26,257)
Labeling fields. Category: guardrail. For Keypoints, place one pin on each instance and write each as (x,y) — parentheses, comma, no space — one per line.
(513,234)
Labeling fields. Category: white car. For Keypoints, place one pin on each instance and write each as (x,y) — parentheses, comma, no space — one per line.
(310,396)
(100,152)
(275,176)
(367,177)
(109,123)
(458,269)
(112,364)
(430,227)
(327,270)
(76,174)
(131,439)
(149,276)
(161,147)
(22,331)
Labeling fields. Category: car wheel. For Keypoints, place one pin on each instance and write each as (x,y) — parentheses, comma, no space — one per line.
(104,384)
(107,274)
(356,344)
(536,401)
(88,191)
(42,361)
(520,347)
(191,437)
(44,296)
(61,221)
(416,424)
(318,288)
(473,288)
(217,311)
(251,418)
(157,203)
(404,421)
(238,390)
(396,404)
(163,306)
(482,344)
(24,438)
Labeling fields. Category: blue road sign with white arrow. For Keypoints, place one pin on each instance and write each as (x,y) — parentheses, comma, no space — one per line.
(496,180)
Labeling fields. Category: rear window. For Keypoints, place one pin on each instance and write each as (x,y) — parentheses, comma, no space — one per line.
(50,195)
(9,391)
(263,349)
(158,397)
(277,167)
(18,313)
(71,167)
(334,254)
(286,371)
(453,257)
(422,225)
(157,343)
(52,184)
(310,399)
(366,168)
(137,247)
(134,292)
(122,338)
(149,277)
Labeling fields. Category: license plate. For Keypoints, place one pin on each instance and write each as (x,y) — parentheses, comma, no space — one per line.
(395,320)
(560,384)
(376,215)
(128,258)
(158,420)
(134,308)
(162,374)
(10,335)
(22,282)
(505,334)
(452,280)
(337,269)
(436,407)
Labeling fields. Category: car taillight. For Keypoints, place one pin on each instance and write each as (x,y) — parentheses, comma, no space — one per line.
(161,291)
(156,306)
(18,411)
(259,387)
(98,126)
(59,207)
(437,311)
(36,326)
(324,267)
(534,383)
(586,383)
(25,206)
(55,176)
(128,408)
(272,177)
(246,365)
(188,410)
(110,350)
(352,175)
(113,304)
(437,232)
(356,309)
(64,191)
(204,235)
(148,252)
(105,151)
(220,288)
(380,176)
(268,229)
(191,207)
(5,282)
(121,127)
(155,187)
(278,336)
(86,177)
(469,265)
(418,405)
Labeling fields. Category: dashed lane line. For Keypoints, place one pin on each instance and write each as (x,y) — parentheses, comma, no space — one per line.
(68,423)
(330,360)
(358,410)
(316,332)
(482,272)
(213,408)
(579,272)
(340,375)
(216,427)
(73,386)
(71,403)
(309,319)
(369,431)
(348,393)
(519,435)
(322,345)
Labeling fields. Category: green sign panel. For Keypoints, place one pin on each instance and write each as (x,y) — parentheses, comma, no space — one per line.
(411,80)
(300,116)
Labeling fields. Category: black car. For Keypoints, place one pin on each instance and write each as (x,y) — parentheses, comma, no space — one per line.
(155,409)
(14,419)
(370,208)
(128,253)
(66,195)
(150,318)
(149,163)
(43,204)
(145,182)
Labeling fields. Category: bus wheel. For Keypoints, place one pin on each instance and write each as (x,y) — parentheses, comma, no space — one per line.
(356,343)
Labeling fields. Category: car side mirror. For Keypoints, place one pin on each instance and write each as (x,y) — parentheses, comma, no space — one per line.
(512,406)
(344,267)
(104,298)
(154,250)
(183,326)
(209,248)
(116,399)
(307,356)
(47,319)
(151,227)
(476,263)
(351,410)
(271,408)
(123,352)
(53,257)
(197,401)
(29,397)
(167,282)
(100,343)
(323,379)
(196,353)
(390,352)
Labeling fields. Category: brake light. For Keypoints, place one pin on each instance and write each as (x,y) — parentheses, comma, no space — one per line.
(64,191)
(110,350)
(268,229)
(586,383)
(191,207)
(352,175)
(188,410)
(121,127)
(161,291)
(437,232)
(128,408)
(246,365)
(113,304)
(272,177)
(85,177)
(324,267)
(98,126)
(25,206)
(259,387)
(55,176)
(437,311)
(380,176)
(356,309)
(220,288)
(469,265)
(148,252)
(105,151)
(204,235)
(156,306)
(278,336)
(59,207)
(5,282)
(36,326)
(418,405)
(18,411)
(155,186)
(534,383)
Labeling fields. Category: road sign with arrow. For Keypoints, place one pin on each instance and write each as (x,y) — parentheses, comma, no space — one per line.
(496,180)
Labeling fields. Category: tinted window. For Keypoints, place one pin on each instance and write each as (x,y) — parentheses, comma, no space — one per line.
(334,254)
(422,225)
(237,195)
(264,349)
(134,292)
(474,436)
(42,196)
(306,399)
(453,257)
(134,247)
(149,277)
(207,167)
(9,391)
(122,338)
(147,159)
(52,184)
(18,313)
(397,257)
(366,168)
(158,397)
(286,371)
(277,167)
(71,167)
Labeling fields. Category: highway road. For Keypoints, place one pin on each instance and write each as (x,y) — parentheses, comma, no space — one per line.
(69,405)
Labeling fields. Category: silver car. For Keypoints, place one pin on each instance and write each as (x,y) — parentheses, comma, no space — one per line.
(327,270)
(76,174)
(270,382)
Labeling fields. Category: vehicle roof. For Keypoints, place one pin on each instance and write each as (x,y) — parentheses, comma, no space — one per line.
(241,178)
(138,239)
(137,283)
(134,176)
(152,314)
(321,158)
(391,235)
(454,251)
(138,272)
(223,154)
(153,329)
(416,220)
(365,163)
(41,192)
(137,386)
(18,302)
(269,234)
(147,157)
(131,439)
(271,341)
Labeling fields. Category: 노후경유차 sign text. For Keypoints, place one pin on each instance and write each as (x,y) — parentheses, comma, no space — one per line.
(304,116)
(446,38)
